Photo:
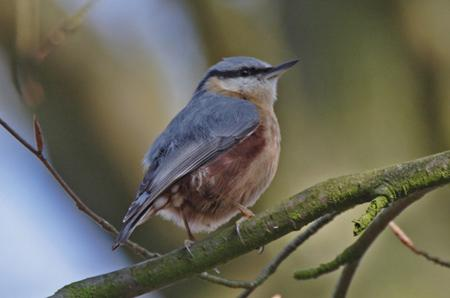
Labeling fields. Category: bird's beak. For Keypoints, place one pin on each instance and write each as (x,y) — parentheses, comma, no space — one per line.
(277,71)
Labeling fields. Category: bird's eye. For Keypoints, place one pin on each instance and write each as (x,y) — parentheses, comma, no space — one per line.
(245,73)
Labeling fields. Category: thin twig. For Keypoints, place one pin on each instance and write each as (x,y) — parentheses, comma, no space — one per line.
(18,137)
(234,284)
(356,250)
(288,249)
(136,248)
(401,235)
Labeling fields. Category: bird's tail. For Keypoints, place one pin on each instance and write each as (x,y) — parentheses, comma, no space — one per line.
(124,234)
(130,225)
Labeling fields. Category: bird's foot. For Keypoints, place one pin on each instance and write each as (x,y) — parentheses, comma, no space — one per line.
(238,232)
(238,228)
(246,214)
(188,244)
(260,250)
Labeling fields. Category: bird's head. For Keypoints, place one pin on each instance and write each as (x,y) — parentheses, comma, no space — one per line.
(245,77)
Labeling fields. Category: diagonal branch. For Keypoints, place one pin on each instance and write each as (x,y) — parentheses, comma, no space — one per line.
(136,248)
(335,195)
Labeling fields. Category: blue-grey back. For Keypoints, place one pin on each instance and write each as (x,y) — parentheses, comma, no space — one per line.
(207,115)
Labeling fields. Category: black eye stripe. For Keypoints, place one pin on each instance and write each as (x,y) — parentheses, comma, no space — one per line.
(245,72)
(231,74)
(242,72)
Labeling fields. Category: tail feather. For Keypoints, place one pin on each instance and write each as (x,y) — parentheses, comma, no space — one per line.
(124,234)
(130,225)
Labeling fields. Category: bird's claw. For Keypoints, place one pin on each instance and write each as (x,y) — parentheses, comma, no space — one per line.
(247,213)
(260,250)
(238,232)
(188,244)
(238,228)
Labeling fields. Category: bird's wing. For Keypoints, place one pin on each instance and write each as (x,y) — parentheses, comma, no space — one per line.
(206,127)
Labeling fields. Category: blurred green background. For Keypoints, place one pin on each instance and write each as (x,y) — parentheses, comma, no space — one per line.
(372,88)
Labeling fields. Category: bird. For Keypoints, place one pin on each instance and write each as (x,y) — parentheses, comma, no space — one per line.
(218,154)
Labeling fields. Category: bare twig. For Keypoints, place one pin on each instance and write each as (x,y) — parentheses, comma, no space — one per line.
(234,284)
(288,250)
(409,244)
(136,248)
(18,137)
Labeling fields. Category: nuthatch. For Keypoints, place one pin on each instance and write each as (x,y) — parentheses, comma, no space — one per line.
(218,155)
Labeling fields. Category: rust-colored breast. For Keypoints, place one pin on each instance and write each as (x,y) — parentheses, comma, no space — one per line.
(239,157)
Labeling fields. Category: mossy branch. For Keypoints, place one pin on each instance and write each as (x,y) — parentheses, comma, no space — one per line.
(334,195)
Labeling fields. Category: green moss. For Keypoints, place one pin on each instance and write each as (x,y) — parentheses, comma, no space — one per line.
(375,206)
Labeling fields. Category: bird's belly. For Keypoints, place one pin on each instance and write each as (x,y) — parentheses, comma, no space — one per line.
(239,175)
